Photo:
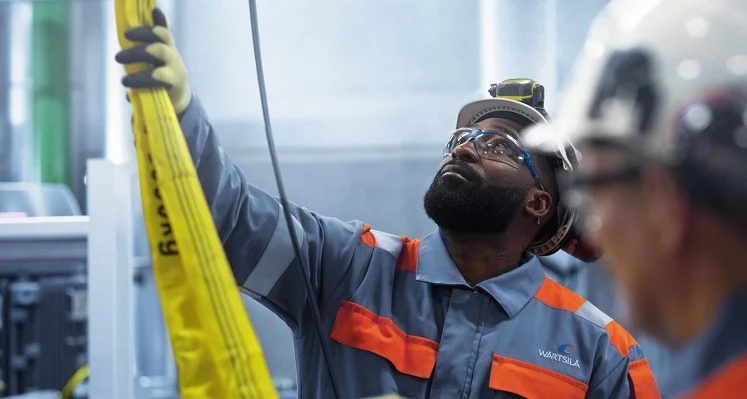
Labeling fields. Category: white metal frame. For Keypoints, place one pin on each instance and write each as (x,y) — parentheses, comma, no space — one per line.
(111,343)
(63,227)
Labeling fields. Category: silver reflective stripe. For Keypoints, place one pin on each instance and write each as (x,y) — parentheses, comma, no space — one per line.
(250,294)
(388,242)
(277,257)
(593,314)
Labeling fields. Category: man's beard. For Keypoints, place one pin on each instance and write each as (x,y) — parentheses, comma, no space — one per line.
(472,207)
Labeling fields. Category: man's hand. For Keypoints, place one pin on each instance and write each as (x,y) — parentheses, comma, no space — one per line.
(158,50)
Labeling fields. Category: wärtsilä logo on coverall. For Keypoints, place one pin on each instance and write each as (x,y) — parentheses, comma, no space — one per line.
(562,356)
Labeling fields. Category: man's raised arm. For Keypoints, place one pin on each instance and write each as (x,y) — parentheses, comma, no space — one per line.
(249,221)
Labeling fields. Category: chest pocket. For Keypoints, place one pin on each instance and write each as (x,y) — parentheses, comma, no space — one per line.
(413,357)
(511,378)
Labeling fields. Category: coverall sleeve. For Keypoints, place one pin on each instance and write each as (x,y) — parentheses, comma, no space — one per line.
(254,231)
(630,378)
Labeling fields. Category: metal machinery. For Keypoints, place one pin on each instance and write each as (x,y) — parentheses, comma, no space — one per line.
(80,290)
(90,311)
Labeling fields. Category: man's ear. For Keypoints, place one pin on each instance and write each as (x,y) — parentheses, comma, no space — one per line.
(538,204)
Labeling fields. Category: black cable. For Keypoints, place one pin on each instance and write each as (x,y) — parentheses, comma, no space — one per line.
(281,193)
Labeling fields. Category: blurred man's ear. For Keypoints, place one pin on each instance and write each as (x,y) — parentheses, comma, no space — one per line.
(668,210)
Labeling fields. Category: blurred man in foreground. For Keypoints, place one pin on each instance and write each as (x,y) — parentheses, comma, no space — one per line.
(658,108)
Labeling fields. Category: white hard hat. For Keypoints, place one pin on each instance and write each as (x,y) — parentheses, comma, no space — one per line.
(667,78)
(512,110)
(643,61)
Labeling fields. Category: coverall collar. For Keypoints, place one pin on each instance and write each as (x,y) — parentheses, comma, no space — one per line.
(511,290)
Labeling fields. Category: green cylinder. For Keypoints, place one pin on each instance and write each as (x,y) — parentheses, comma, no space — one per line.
(51,93)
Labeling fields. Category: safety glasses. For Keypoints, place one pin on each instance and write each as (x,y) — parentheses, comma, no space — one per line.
(605,164)
(494,145)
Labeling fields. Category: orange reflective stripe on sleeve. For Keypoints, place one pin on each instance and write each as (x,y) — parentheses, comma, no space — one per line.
(620,338)
(360,328)
(727,383)
(642,380)
(556,296)
(406,250)
(408,257)
(367,236)
(531,381)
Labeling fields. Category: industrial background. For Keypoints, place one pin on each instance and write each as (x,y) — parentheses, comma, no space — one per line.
(362,96)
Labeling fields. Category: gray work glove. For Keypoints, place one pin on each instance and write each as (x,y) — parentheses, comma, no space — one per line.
(166,66)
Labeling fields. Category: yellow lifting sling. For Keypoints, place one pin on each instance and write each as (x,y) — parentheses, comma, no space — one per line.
(216,351)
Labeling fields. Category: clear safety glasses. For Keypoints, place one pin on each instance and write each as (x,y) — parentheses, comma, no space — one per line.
(494,145)
(604,164)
